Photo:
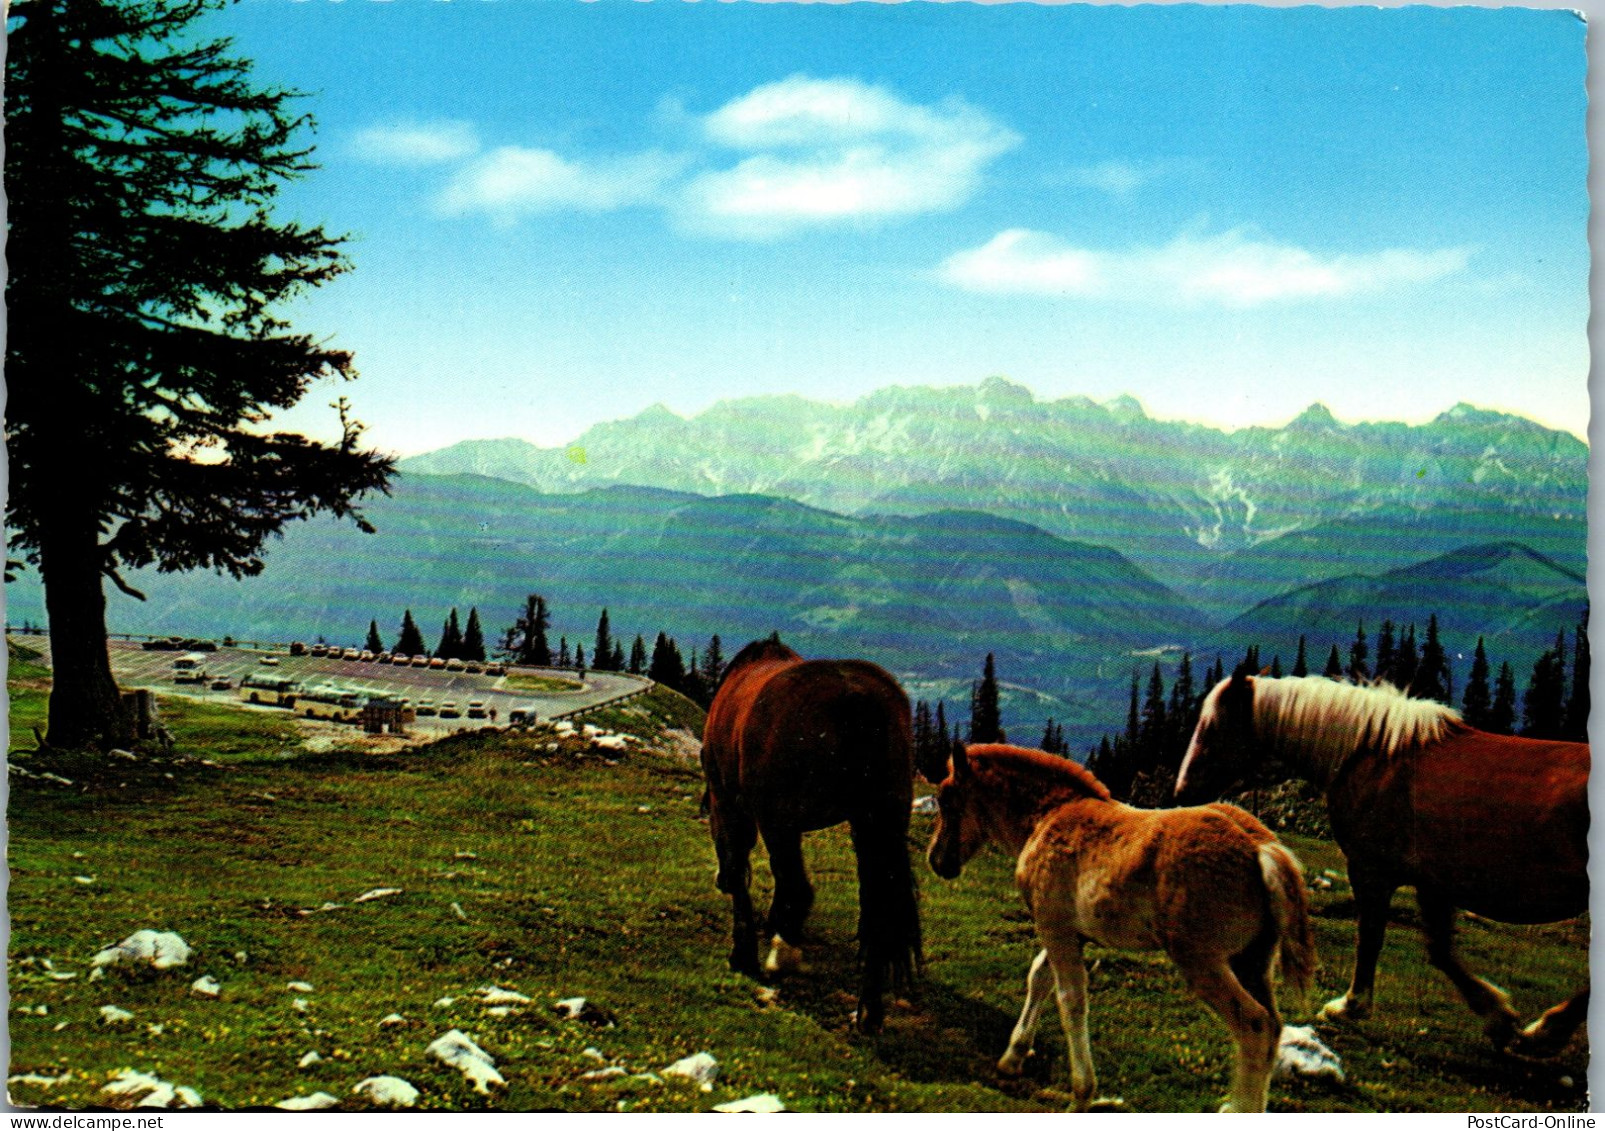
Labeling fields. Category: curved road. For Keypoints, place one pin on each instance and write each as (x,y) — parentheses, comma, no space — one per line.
(136,667)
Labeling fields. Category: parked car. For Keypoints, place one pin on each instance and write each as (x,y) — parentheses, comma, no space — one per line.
(298,648)
(222,685)
(453,665)
(473,667)
(420,661)
(477,709)
(425,707)
(365,656)
(521,717)
(350,654)
(449,710)
(495,669)
(268,661)
(320,649)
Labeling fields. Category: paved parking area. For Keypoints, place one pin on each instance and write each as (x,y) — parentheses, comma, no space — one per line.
(136,667)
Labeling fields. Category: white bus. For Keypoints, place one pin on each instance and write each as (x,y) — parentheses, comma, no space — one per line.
(275,691)
(334,703)
(190,668)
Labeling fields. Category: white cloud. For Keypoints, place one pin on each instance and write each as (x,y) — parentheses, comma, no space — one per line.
(511,181)
(1117,178)
(416,143)
(828,151)
(1231,269)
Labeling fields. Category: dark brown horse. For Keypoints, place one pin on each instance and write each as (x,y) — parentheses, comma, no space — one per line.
(794,745)
(1491,823)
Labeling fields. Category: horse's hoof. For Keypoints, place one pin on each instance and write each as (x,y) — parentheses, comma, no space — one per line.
(868,1022)
(1538,1042)
(1010,1064)
(1345,1008)
(783,957)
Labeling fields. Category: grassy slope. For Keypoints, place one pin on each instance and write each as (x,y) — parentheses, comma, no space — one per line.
(595,879)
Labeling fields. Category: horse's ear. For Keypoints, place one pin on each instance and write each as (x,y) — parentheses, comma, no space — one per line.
(961,762)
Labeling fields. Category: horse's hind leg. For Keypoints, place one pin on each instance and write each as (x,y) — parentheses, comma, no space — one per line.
(1549,1034)
(794,898)
(1070,988)
(1486,1000)
(1372,898)
(734,836)
(1038,984)
(1255,1029)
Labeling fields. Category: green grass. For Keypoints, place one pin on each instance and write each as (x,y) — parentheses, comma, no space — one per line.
(519,681)
(595,879)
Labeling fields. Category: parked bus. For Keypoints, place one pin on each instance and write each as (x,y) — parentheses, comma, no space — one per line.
(189,668)
(334,703)
(275,691)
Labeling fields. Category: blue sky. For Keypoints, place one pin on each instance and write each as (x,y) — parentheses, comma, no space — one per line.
(562,213)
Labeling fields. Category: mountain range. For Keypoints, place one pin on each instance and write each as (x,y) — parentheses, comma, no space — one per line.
(1223,519)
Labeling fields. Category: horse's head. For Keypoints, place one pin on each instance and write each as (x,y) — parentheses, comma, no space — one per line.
(959,834)
(1222,742)
(769,648)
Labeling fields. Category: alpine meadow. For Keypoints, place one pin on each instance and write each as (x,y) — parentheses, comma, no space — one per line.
(602,557)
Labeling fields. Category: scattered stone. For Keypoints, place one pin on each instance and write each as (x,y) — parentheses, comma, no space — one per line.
(111,1015)
(609,742)
(764,1102)
(699,1068)
(39,1081)
(1566,1081)
(376,893)
(309,1059)
(387,1091)
(1302,1054)
(594,1053)
(925,805)
(500,1011)
(578,1009)
(160,950)
(299,1005)
(62,975)
(391,1020)
(85,880)
(145,1090)
(457,910)
(206,986)
(317,1101)
(445,1002)
(597,1075)
(465,855)
(495,995)
(299,987)
(458,1051)
(767,995)
(126,755)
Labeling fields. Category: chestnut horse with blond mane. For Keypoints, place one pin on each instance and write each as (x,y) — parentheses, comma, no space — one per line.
(1491,823)
(793,745)
(1209,886)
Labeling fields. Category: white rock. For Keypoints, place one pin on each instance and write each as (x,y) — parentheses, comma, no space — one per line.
(62,975)
(161,950)
(111,1015)
(86,880)
(309,1059)
(299,1005)
(700,1068)
(317,1101)
(206,986)
(500,1010)
(299,987)
(391,1020)
(569,1007)
(1302,1054)
(763,1102)
(495,995)
(456,1050)
(39,1081)
(594,1053)
(925,805)
(445,1002)
(149,1091)
(609,742)
(596,1075)
(457,910)
(376,893)
(387,1091)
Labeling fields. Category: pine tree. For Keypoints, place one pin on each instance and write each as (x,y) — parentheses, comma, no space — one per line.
(603,652)
(944,739)
(638,656)
(694,688)
(1301,664)
(1544,702)
(374,644)
(1358,671)
(473,638)
(1477,705)
(1387,654)
(1276,666)
(1133,716)
(1406,660)
(1151,733)
(924,734)
(617,662)
(451,639)
(1433,679)
(525,642)
(564,660)
(1049,742)
(1502,714)
(579,658)
(711,669)
(147,343)
(985,723)
(1334,665)
(411,640)
(1577,704)
(668,666)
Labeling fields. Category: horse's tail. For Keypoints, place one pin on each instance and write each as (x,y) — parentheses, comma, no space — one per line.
(889,918)
(1290,908)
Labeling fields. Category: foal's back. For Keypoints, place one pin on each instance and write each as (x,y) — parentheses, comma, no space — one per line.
(1179,880)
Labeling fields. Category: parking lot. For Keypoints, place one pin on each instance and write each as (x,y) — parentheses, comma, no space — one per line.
(431,689)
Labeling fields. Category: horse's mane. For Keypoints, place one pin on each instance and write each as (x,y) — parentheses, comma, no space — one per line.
(1045,775)
(1330,720)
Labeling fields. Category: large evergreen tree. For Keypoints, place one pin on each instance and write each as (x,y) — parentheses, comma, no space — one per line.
(1406,660)
(1502,714)
(637,664)
(1301,663)
(1358,670)
(712,666)
(1334,665)
(1543,705)
(374,643)
(145,348)
(451,639)
(1387,655)
(1577,703)
(602,654)
(525,641)
(668,666)
(1477,705)
(986,725)
(1433,679)
(473,637)
(411,640)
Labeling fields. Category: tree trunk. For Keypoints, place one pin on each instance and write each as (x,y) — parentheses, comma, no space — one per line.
(86,708)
